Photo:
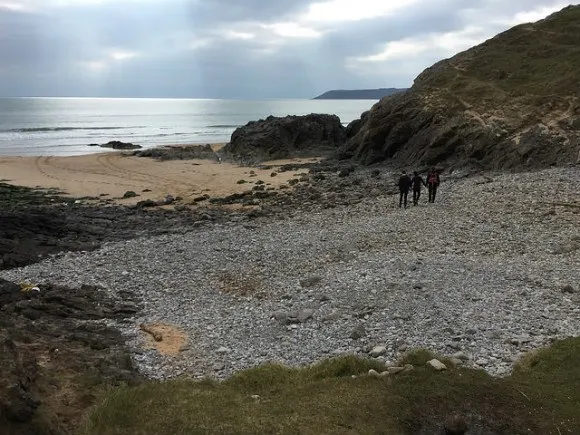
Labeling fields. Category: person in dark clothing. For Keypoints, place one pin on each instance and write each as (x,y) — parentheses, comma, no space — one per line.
(404,186)
(432,184)
(418,184)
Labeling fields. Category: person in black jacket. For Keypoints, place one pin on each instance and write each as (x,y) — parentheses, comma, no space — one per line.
(404,186)
(418,184)
(433,181)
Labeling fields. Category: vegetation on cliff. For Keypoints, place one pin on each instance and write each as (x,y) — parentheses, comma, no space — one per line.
(511,102)
(338,396)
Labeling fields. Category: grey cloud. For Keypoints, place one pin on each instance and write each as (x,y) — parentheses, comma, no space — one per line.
(366,37)
(42,53)
(252,10)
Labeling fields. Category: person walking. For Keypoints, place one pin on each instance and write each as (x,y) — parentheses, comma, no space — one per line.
(433,181)
(404,186)
(418,184)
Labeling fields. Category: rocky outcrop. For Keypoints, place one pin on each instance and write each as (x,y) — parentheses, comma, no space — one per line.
(509,103)
(354,126)
(291,136)
(185,152)
(52,341)
(118,145)
(35,224)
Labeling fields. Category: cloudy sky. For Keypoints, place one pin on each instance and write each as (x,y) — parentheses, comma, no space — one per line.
(238,48)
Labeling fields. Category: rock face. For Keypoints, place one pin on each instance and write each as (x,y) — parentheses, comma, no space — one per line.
(511,102)
(354,127)
(290,136)
(53,334)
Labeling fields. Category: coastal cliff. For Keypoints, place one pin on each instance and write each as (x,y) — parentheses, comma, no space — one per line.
(509,103)
(285,137)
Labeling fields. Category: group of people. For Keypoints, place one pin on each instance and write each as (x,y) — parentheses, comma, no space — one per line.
(417,183)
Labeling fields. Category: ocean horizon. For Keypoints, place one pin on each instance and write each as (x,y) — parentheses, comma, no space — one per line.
(61,126)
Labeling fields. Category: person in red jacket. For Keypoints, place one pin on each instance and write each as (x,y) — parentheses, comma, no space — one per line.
(433,181)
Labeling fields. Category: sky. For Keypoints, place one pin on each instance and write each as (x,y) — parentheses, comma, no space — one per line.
(238,48)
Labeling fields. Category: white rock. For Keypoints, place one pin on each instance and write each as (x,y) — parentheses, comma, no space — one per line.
(456,361)
(378,351)
(461,355)
(437,365)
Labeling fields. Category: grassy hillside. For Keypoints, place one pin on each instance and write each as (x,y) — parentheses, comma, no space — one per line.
(512,102)
(529,60)
(541,397)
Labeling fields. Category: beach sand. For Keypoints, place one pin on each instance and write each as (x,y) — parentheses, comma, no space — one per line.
(112,174)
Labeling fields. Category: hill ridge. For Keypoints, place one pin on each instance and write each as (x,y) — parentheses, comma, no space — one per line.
(510,102)
(360,94)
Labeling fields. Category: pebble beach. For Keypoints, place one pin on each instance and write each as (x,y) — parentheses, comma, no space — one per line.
(487,273)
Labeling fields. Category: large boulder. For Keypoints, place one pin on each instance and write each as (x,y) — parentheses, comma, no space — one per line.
(512,102)
(290,136)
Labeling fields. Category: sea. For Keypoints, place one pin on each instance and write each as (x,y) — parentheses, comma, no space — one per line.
(66,126)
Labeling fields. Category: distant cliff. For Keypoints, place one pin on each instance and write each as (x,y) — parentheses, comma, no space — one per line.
(359,94)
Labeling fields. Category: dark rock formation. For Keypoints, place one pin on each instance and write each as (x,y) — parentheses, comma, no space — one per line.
(290,136)
(118,145)
(50,348)
(186,152)
(511,102)
(34,224)
(354,127)
(130,194)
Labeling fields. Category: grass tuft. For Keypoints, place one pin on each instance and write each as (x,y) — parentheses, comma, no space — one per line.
(346,366)
(541,397)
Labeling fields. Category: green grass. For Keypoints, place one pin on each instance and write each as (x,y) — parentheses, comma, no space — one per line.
(541,397)
(529,61)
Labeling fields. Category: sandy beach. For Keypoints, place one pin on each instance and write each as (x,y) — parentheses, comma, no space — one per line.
(112,174)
